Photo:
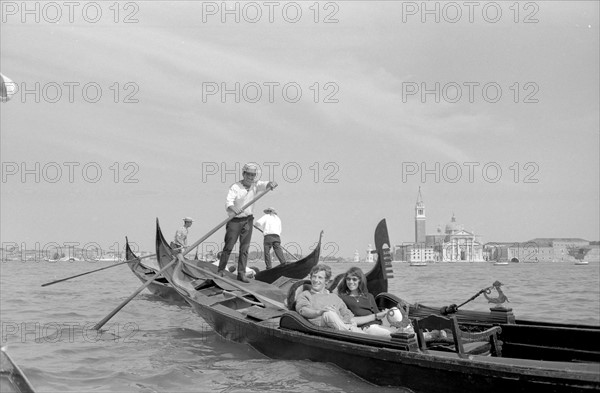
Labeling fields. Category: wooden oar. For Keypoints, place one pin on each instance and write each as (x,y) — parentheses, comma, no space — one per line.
(97,270)
(140,289)
(283,248)
(239,286)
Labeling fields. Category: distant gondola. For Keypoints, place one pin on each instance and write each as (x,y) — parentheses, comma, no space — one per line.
(162,288)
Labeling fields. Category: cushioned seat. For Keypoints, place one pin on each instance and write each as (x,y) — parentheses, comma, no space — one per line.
(296,322)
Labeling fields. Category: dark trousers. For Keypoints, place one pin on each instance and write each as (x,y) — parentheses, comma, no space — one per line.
(237,228)
(273,241)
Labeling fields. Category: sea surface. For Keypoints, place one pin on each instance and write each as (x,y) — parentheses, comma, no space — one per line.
(155,346)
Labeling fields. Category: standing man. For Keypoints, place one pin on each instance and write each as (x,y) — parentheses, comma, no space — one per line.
(270,225)
(240,194)
(180,241)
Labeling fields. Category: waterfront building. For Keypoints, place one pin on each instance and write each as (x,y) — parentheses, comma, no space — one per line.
(369,257)
(455,244)
(540,250)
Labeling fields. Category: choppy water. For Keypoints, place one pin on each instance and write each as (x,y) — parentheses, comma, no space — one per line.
(154,346)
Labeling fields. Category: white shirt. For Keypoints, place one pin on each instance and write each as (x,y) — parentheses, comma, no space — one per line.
(270,224)
(238,196)
(181,236)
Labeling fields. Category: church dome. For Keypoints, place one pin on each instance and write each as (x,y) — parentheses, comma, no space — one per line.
(453,226)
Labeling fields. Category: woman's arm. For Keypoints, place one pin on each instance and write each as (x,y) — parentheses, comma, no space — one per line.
(369,318)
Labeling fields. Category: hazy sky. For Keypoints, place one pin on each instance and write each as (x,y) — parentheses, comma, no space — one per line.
(334,112)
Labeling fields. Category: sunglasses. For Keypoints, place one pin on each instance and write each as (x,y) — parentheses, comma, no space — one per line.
(353,279)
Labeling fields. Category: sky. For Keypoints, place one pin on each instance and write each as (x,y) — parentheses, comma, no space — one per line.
(148,110)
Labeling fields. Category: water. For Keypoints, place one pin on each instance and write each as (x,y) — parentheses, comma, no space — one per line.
(155,346)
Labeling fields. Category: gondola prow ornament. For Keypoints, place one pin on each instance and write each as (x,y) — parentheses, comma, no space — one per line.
(453,308)
(501,296)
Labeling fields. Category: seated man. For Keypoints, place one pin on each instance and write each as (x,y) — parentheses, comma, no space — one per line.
(323,308)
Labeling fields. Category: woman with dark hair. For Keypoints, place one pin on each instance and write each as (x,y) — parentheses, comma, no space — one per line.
(353,292)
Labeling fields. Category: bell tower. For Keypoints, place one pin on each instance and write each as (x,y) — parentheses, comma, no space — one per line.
(420,220)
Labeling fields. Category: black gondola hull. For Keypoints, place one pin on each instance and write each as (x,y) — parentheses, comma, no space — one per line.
(383,364)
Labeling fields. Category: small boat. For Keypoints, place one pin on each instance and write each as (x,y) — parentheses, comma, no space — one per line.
(582,263)
(12,378)
(297,270)
(255,314)
(501,263)
(418,263)
(161,287)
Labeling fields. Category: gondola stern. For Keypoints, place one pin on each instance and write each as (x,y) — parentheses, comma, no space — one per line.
(129,254)
(163,250)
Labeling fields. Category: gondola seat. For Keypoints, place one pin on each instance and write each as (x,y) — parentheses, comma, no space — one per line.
(388,300)
(295,290)
(462,342)
(296,322)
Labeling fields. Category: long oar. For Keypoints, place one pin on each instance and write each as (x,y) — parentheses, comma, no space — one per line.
(190,248)
(283,248)
(239,286)
(97,270)
(140,289)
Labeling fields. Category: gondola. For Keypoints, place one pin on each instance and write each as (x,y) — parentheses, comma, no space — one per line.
(255,314)
(537,340)
(161,287)
(296,270)
(12,378)
(143,271)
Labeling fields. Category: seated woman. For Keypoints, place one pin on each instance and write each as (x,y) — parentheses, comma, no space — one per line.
(353,292)
(323,308)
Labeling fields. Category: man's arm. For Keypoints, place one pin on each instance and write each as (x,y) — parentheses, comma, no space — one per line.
(304,306)
(232,210)
(260,223)
(179,236)
(344,311)
(262,185)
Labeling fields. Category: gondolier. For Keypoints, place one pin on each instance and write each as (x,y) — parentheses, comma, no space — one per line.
(270,225)
(180,241)
(240,193)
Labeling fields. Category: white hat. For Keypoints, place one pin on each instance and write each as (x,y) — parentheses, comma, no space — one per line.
(188,219)
(249,168)
(270,210)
